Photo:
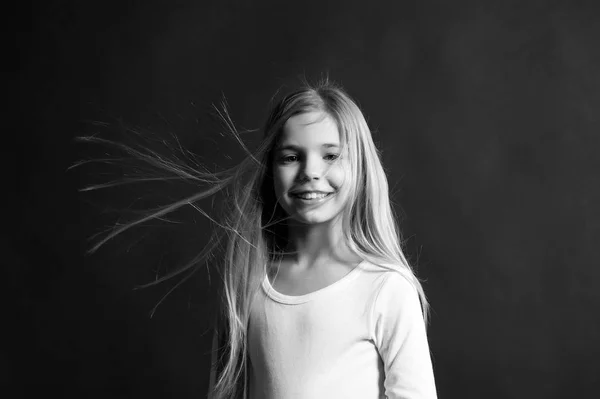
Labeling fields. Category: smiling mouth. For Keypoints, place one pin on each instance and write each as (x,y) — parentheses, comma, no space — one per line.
(308,196)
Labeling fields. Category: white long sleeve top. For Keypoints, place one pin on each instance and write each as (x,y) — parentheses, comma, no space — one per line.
(362,337)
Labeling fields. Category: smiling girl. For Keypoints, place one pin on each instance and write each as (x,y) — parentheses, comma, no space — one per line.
(319,300)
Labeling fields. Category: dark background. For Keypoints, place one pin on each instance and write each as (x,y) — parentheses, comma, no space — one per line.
(487,117)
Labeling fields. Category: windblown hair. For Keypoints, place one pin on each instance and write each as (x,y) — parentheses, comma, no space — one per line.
(255,230)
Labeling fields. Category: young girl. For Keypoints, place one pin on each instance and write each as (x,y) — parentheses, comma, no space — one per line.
(318,298)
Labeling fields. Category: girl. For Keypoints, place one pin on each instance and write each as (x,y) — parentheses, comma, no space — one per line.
(318,299)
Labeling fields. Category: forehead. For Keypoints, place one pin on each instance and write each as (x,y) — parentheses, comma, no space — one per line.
(310,129)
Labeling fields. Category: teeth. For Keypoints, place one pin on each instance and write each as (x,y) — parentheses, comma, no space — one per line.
(309,196)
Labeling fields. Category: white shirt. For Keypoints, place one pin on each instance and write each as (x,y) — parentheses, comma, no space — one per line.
(361,337)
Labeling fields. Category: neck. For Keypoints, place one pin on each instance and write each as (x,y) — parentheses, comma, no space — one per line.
(315,244)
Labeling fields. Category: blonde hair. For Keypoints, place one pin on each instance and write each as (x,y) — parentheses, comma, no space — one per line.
(255,231)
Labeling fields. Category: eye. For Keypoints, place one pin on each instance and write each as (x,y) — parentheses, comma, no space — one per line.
(331,157)
(288,159)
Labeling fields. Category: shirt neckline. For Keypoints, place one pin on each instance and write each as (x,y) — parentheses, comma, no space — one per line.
(298,299)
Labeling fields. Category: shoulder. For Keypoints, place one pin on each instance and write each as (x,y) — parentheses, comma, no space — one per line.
(390,279)
(396,307)
(394,293)
(395,288)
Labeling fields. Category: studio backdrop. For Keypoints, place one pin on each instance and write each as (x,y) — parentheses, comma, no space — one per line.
(486,115)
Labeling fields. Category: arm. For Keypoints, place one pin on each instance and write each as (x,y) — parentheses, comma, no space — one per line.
(401,339)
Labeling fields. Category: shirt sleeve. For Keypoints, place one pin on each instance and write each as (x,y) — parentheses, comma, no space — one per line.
(400,337)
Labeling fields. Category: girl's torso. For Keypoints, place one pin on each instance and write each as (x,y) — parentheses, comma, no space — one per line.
(310,335)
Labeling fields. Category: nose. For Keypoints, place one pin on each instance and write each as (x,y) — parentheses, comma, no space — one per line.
(311,169)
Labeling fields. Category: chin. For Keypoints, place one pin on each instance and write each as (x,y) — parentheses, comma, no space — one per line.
(314,218)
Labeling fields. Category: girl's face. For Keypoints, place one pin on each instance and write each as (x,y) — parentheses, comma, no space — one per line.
(311,179)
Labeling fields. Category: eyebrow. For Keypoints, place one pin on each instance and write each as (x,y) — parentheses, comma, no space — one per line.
(297,148)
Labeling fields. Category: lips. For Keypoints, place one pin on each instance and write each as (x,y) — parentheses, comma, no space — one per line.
(310,195)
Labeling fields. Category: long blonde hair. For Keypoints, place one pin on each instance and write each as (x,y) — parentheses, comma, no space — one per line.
(254,228)
(369,222)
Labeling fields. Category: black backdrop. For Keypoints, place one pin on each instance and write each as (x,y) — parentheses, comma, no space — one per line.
(487,117)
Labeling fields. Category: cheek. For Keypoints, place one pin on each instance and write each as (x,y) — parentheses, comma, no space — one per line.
(339,177)
(342,179)
(280,181)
